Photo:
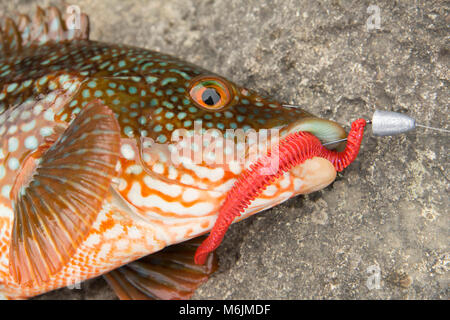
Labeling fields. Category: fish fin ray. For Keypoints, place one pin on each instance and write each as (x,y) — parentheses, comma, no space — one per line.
(48,229)
(169,274)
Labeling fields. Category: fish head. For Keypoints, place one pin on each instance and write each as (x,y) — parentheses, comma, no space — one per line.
(203,131)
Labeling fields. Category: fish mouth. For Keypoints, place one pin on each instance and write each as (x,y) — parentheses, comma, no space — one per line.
(313,174)
(316,173)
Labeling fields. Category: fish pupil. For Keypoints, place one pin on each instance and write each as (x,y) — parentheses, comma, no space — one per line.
(210,96)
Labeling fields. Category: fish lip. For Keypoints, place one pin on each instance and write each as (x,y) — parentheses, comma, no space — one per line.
(328,131)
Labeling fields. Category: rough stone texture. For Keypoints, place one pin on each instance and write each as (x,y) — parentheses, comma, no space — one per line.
(390,208)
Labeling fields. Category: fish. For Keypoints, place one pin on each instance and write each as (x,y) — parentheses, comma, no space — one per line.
(116,161)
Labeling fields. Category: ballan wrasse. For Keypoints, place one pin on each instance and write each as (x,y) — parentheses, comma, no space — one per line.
(89,184)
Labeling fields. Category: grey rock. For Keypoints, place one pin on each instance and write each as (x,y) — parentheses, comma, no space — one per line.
(389,210)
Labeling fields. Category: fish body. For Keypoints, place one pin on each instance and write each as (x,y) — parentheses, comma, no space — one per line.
(86,136)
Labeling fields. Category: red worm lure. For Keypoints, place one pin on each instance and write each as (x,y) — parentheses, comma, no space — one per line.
(295,149)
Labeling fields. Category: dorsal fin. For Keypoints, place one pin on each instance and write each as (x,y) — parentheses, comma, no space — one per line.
(47,26)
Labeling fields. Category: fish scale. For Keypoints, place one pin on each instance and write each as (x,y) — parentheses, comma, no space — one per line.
(89,125)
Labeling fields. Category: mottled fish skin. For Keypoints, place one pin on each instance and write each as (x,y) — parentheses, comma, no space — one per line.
(152,202)
(146,89)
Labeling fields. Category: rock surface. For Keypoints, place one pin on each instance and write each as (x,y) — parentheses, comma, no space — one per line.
(388,211)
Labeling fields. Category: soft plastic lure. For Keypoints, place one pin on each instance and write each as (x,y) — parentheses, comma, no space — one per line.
(88,177)
(295,149)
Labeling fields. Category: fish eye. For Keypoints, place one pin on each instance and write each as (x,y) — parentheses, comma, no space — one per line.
(211,93)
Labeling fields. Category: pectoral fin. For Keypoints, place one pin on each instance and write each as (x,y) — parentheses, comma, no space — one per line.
(55,209)
(170,274)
